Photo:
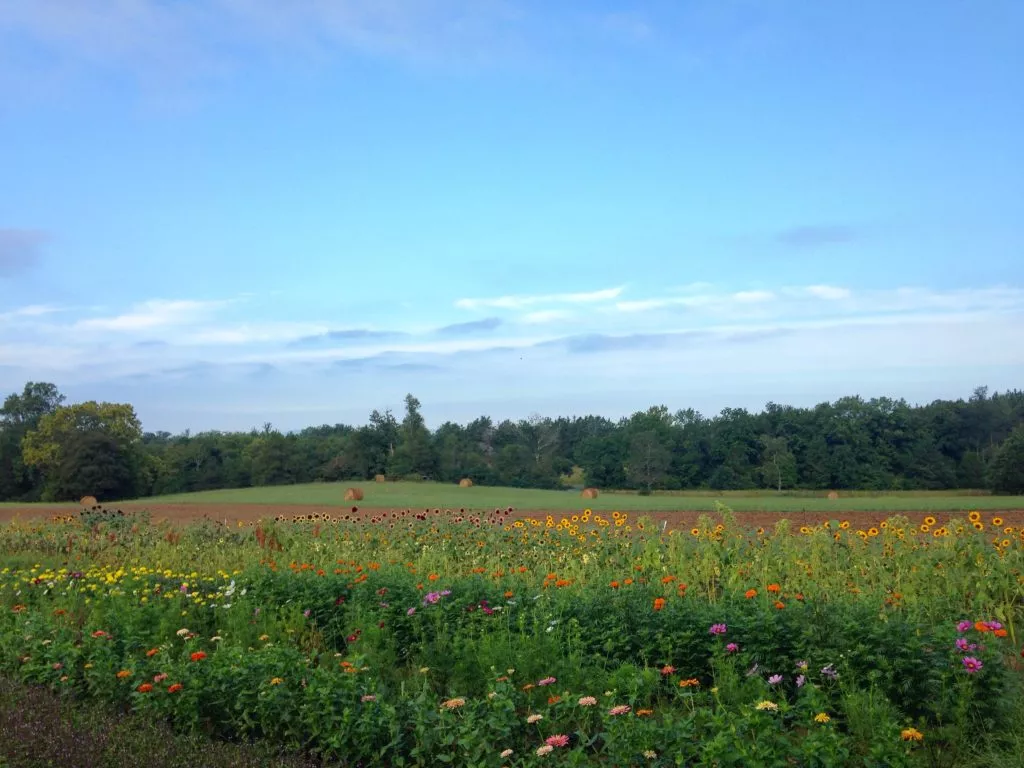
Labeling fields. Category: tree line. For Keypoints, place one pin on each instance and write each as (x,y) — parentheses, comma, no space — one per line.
(51,450)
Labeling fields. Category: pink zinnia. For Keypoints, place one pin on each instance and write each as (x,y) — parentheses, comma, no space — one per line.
(558,740)
(972,664)
(622,709)
(547,681)
(587,701)
(668,669)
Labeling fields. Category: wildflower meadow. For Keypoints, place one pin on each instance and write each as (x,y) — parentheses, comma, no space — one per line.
(450,637)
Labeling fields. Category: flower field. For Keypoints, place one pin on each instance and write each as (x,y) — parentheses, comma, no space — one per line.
(455,638)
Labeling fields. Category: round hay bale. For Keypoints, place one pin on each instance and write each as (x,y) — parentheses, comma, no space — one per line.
(589,493)
(465,483)
(353,494)
(379,479)
(833,495)
(88,501)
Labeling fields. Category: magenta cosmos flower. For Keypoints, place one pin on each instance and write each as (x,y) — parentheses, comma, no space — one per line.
(718,629)
(972,664)
(963,626)
(732,648)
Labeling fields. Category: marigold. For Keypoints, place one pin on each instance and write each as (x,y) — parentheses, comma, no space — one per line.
(690,683)
(276,680)
(774,588)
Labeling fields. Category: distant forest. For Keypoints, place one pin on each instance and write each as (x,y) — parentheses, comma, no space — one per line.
(53,451)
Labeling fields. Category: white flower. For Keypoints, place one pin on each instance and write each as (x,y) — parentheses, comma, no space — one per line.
(183,632)
(506,753)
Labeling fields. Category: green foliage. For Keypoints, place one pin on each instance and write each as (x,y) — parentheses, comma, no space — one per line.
(1008,465)
(878,445)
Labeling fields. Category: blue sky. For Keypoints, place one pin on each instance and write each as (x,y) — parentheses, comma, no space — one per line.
(236,211)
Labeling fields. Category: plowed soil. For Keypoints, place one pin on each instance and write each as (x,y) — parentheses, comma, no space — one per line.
(682,519)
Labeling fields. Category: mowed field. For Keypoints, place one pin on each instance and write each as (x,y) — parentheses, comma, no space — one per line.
(757,507)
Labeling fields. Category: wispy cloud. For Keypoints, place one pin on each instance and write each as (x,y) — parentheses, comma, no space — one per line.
(543,316)
(523,301)
(473,326)
(345,335)
(156,313)
(20,249)
(829,292)
(813,236)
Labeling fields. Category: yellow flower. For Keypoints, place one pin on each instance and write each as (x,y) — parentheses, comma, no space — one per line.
(453,703)
(276,681)
(767,706)
(822,717)
(911,734)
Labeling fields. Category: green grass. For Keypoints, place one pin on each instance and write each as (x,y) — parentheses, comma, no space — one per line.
(430,495)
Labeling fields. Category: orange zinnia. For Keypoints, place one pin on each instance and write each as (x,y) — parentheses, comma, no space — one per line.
(174,688)
(152,652)
(981,626)
(614,585)
(123,674)
(779,604)
(750,593)
(144,688)
(198,656)
(774,588)
(659,603)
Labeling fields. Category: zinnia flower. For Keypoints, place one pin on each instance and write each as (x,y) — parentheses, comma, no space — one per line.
(587,701)
(198,656)
(174,688)
(547,749)
(152,652)
(144,688)
(732,647)
(123,674)
(506,753)
(453,703)
(558,740)
(690,683)
(547,681)
(534,719)
(822,717)
(911,734)
(767,706)
(668,669)
(622,709)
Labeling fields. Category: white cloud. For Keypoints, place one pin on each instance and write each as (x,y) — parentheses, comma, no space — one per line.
(829,292)
(522,301)
(156,313)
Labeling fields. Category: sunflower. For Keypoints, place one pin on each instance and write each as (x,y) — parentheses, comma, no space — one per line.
(978,526)
(997,521)
(844,524)
(695,531)
(925,527)
(872,531)
(929,521)
(974,516)
(1008,530)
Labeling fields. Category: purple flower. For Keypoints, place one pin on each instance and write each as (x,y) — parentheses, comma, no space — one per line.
(802,665)
(993,625)
(774,679)
(963,646)
(717,629)
(732,647)
(445,592)
(410,612)
(829,672)
(800,680)
(972,664)
(963,626)
(547,681)
(431,597)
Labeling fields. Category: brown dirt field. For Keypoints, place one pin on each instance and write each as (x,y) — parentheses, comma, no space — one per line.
(250,512)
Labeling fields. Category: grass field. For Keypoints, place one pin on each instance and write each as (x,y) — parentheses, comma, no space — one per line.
(424,495)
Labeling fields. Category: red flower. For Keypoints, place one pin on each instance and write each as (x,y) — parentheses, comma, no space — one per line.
(144,688)
(198,656)
(174,688)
